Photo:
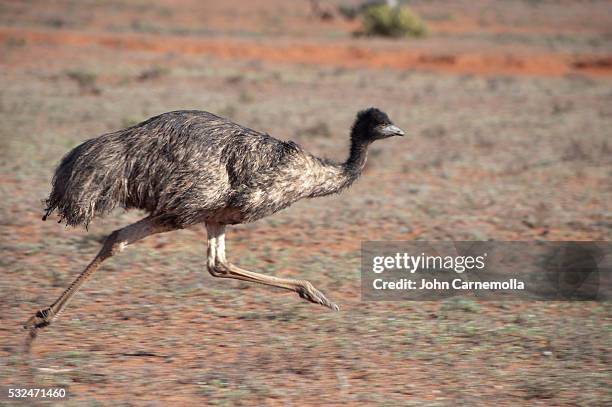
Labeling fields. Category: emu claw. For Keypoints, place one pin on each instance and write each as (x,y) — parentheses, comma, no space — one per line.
(41,319)
(309,293)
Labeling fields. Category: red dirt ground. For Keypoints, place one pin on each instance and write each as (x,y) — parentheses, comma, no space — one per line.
(485,62)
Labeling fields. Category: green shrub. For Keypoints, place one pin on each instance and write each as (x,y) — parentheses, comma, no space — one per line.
(388,21)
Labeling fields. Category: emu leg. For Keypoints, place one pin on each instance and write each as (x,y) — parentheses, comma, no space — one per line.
(218,266)
(113,244)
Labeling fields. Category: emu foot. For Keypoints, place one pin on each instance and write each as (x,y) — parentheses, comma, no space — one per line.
(309,293)
(41,319)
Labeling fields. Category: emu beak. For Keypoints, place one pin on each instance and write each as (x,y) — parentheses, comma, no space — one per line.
(392,130)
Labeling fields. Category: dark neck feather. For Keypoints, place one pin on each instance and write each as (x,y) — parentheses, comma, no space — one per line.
(357,158)
(340,176)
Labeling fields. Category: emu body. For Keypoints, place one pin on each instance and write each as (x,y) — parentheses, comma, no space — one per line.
(192,167)
(189,167)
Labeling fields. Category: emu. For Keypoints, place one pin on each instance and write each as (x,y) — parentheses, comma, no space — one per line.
(192,167)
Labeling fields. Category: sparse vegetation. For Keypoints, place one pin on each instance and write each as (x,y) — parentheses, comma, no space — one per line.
(382,20)
(318,129)
(153,73)
(347,11)
(130,121)
(246,97)
(228,110)
(13,42)
(86,81)
(460,304)
(540,388)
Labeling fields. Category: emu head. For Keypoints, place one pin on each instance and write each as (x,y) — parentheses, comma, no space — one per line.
(373,124)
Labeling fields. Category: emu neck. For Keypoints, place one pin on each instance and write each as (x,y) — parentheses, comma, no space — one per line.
(331,178)
(357,158)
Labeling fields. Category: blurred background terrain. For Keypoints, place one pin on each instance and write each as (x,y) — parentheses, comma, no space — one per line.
(508,110)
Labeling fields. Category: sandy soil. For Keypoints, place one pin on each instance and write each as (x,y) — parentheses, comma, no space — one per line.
(508,109)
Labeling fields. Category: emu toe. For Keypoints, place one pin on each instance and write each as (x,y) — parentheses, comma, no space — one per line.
(309,293)
(41,319)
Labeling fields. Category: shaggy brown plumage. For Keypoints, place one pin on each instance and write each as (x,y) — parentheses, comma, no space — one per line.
(188,167)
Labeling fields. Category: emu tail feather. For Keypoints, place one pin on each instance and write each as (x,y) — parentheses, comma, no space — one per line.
(88,182)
